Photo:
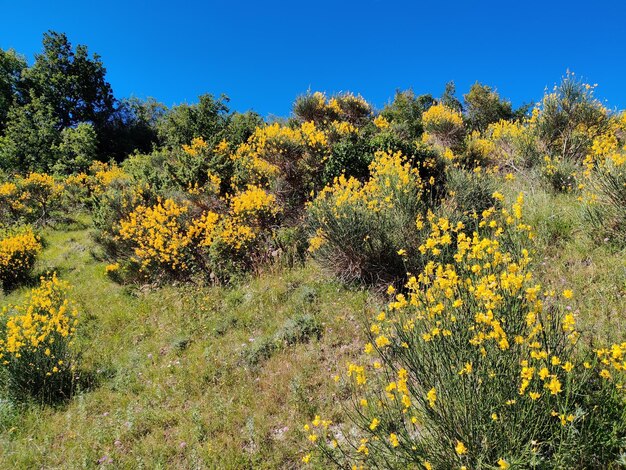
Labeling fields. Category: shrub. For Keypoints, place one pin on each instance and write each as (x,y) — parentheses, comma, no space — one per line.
(351,155)
(477,367)
(478,151)
(444,126)
(569,119)
(166,239)
(18,252)
(484,106)
(12,206)
(288,158)
(515,144)
(606,171)
(238,240)
(317,108)
(34,198)
(404,114)
(560,174)
(364,231)
(158,237)
(471,193)
(292,243)
(36,341)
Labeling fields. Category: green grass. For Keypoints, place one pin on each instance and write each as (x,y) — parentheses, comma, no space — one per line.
(175,387)
(567,257)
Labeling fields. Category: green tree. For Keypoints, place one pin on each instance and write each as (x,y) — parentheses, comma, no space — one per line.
(77,150)
(207,119)
(449,98)
(71,82)
(241,126)
(31,134)
(483,106)
(132,128)
(11,67)
(405,112)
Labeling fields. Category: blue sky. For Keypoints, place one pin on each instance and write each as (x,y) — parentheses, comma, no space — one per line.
(264,53)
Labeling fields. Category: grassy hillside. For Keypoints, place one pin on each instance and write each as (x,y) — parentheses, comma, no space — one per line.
(188,376)
(438,284)
(225,377)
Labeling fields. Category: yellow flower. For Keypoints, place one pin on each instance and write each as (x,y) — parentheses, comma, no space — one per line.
(554,386)
(503,464)
(568,294)
(306,458)
(605,374)
(460,448)
(432,397)
(382,341)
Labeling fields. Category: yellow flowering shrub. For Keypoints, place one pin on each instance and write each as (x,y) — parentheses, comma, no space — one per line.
(197,145)
(178,240)
(76,190)
(12,203)
(158,235)
(444,126)
(512,141)
(18,252)
(290,158)
(475,365)
(103,175)
(317,107)
(605,184)
(254,201)
(40,196)
(36,341)
(381,122)
(478,151)
(359,227)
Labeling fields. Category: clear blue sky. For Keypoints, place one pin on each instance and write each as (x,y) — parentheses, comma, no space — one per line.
(264,53)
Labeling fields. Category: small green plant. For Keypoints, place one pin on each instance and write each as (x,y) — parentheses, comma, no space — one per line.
(299,329)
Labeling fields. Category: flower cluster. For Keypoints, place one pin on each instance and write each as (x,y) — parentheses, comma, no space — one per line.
(158,234)
(17,255)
